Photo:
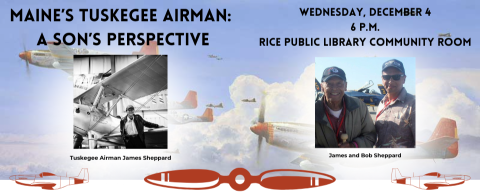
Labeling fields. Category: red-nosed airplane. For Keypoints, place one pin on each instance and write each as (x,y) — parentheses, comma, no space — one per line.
(61,56)
(50,181)
(177,118)
(429,181)
(286,135)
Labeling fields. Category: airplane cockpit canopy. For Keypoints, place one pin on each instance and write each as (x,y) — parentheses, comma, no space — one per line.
(43,174)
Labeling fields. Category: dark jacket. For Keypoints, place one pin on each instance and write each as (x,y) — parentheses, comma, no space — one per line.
(358,125)
(139,123)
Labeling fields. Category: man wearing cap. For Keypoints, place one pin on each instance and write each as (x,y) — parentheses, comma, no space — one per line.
(337,115)
(395,119)
(131,129)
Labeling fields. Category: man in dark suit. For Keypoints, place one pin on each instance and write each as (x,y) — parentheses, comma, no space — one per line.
(131,128)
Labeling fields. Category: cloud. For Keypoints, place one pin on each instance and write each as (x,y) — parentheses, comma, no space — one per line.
(228,143)
(437,98)
(465,80)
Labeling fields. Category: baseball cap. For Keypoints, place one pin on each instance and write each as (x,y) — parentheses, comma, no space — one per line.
(394,63)
(330,72)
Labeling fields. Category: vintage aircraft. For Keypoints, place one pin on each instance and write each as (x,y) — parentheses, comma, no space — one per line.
(215,57)
(444,35)
(429,181)
(215,106)
(318,91)
(50,181)
(248,100)
(368,96)
(190,102)
(61,56)
(145,76)
(177,118)
(286,135)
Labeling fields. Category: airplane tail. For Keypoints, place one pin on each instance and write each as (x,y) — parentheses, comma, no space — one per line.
(220,105)
(254,100)
(397,177)
(447,128)
(83,176)
(190,100)
(207,115)
(382,89)
(151,49)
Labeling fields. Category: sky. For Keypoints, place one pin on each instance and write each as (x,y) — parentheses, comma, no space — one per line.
(36,111)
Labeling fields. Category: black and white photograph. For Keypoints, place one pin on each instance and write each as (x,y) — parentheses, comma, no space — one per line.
(120,101)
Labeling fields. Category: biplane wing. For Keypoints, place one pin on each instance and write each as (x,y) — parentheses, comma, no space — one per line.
(143,77)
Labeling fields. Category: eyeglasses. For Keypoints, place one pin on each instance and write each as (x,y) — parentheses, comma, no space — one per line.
(337,85)
(202,177)
(130,109)
(395,77)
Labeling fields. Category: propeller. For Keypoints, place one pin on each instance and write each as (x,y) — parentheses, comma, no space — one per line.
(26,59)
(259,145)
(261,115)
(261,120)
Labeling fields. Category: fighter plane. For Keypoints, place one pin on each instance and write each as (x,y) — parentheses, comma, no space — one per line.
(190,102)
(429,181)
(61,56)
(444,35)
(49,181)
(177,118)
(318,91)
(369,97)
(143,77)
(215,106)
(215,57)
(247,100)
(286,135)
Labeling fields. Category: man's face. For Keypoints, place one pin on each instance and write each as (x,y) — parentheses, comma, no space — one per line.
(334,89)
(391,85)
(130,112)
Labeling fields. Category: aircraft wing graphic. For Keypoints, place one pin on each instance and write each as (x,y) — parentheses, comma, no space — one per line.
(146,130)
(143,77)
(63,55)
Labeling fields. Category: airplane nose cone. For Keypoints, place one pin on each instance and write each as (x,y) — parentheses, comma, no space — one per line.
(259,129)
(22,55)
